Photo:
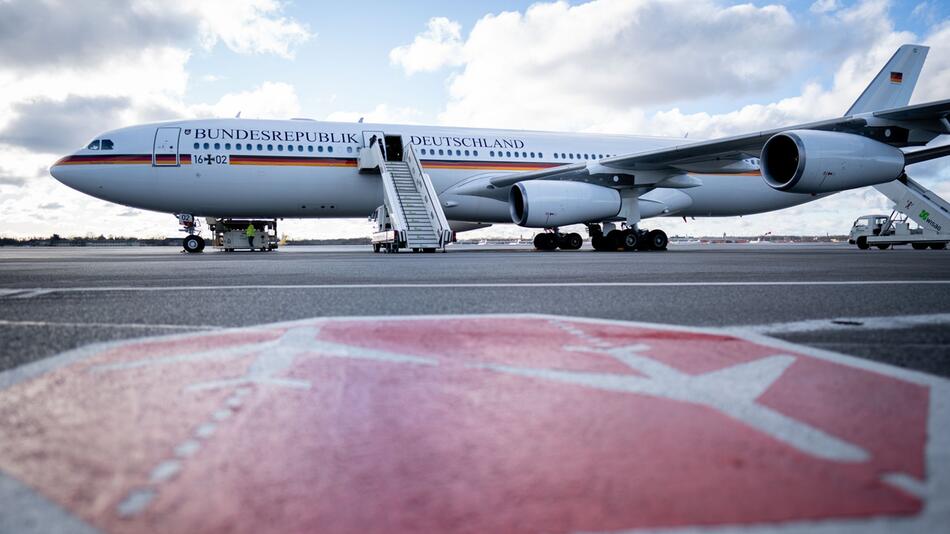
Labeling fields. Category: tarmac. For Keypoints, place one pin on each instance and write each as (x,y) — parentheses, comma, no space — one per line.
(745,389)
(831,297)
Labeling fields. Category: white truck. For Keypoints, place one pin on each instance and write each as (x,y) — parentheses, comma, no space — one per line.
(912,202)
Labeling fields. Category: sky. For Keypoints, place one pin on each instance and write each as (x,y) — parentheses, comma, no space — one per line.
(70,69)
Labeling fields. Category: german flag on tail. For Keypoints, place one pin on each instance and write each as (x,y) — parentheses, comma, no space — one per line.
(897,77)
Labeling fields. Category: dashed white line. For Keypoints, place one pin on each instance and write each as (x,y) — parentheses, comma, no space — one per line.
(109,325)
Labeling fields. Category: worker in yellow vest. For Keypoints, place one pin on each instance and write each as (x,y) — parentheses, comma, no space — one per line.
(250,235)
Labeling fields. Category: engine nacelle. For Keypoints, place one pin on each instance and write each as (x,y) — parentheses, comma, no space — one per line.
(812,161)
(544,204)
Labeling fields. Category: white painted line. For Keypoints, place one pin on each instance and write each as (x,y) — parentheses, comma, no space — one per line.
(110,325)
(486,285)
(164,471)
(135,502)
(906,483)
(851,323)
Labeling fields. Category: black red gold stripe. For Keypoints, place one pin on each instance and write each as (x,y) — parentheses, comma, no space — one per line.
(292,161)
(122,159)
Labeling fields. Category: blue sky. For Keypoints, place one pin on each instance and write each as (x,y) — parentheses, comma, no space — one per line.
(663,67)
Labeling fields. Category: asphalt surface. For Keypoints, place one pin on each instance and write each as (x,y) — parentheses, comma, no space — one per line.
(56,299)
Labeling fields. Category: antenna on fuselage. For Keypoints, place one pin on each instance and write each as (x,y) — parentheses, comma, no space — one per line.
(360,121)
(238,116)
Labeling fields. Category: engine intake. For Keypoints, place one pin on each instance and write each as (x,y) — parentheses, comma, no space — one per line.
(545,204)
(812,161)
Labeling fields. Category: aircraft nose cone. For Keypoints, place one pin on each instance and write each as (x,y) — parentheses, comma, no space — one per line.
(61,171)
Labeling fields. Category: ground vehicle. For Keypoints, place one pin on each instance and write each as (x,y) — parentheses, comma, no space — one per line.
(882,231)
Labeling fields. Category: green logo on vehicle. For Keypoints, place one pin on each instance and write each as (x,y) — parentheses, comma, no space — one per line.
(924,214)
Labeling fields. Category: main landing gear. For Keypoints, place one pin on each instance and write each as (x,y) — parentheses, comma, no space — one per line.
(193,242)
(552,239)
(610,238)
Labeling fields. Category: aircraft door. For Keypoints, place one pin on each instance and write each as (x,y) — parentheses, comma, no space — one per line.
(165,150)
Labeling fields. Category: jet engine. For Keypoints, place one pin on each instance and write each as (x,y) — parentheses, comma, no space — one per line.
(812,161)
(544,204)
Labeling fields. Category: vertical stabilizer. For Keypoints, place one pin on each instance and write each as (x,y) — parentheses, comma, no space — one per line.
(893,86)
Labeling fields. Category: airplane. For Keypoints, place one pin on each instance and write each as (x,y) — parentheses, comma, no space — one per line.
(301,168)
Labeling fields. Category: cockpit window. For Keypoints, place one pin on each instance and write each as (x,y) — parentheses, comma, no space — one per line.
(93,145)
(106,144)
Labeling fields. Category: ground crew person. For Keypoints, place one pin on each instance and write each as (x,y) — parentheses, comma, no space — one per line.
(250,235)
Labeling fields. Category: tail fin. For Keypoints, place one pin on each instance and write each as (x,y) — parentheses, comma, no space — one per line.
(893,86)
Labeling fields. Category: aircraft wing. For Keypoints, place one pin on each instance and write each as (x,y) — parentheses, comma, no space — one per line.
(929,111)
(677,159)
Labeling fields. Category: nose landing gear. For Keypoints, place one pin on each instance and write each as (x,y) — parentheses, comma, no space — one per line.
(193,242)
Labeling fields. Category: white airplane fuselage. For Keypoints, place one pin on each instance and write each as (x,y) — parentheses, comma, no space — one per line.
(308,169)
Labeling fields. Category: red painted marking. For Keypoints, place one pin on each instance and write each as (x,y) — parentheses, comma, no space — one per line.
(452,445)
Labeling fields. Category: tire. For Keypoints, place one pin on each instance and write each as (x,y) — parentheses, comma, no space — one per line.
(572,241)
(598,242)
(919,246)
(614,240)
(376,248)
(201,244)
(192,244)
(938,246)
(630,241)
(882,247)
(658,240)
(863,243)
(545,241)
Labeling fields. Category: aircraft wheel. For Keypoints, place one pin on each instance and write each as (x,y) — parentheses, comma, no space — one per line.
(938,246)
(193,244)
(882,247)
(545,241)
(919,246)
(599,243)
(863,243)
(658,240)
(572,241)
(614,240)
(428,250)
(630,241)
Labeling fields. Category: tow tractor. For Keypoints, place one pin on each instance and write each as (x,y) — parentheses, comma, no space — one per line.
(231,234)
(912,202)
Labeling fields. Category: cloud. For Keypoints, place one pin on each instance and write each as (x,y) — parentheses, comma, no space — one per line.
(824,6)
(249,26)
(50,33)
(269,100)
(440,45)
(51,206)
(50,126)
(382,113)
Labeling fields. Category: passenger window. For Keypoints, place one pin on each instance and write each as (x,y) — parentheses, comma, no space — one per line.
(540,155)
(423,152)
(197,145)
(290,148)
(299,148)
(349,150)
(466,152)
(309,148)
(329,149)
(555,155)
(260,147)
(516,154)
(563,156)
(227,146)
(475,153)
(492,153)
(320,148)
(532,154)
(270,148)
(441,152)
(280,148)
(508,154)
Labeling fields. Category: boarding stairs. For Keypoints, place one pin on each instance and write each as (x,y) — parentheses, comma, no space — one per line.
(411,216)
(919,204)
